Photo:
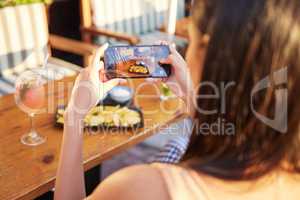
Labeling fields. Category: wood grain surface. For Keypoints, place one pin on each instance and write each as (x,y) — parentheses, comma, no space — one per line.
(27,172)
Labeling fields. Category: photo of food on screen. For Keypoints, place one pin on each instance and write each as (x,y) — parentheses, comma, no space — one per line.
(136,61)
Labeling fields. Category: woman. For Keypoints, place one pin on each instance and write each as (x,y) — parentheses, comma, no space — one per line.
(250,41)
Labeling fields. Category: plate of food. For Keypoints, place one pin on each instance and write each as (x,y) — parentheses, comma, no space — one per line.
(139,67)
(106,116)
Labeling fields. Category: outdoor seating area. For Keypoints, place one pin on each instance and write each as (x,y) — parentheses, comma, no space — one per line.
(149,99)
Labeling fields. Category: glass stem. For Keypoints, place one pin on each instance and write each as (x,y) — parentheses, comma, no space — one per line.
(32,133)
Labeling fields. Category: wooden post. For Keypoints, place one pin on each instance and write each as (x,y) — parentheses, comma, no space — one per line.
(86,22)
(172,15)
(47,10)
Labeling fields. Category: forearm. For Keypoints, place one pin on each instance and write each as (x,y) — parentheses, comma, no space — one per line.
(70,175)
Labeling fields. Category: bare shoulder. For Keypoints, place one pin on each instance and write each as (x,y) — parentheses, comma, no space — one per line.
(136,182)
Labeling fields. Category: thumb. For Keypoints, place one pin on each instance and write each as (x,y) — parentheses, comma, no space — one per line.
(96,59)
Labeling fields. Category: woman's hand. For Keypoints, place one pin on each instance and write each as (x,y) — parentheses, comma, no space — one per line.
(180,80)
(90,86)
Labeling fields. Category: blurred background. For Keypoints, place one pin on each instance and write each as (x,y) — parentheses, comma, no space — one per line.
(70,30)
(65,18)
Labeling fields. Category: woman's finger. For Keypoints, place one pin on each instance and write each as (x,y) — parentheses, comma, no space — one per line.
(83,75)
(93,70)
(96,59)
(96,69)
(102,75)
(173,50)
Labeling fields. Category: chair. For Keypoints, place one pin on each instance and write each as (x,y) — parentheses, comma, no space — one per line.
(25,41)
(137,22)
(131,21)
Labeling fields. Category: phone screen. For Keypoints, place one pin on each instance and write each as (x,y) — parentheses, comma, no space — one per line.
(136,61)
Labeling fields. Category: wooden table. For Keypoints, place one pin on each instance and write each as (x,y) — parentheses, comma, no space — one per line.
(27,172)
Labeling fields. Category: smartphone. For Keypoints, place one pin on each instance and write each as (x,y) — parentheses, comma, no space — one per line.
(141,61)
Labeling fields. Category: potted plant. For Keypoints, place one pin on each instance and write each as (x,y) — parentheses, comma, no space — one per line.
(5,3)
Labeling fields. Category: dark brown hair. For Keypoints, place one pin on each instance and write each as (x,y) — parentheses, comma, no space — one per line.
(249,41)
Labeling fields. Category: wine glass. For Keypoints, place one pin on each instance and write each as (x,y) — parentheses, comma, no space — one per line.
(30,96)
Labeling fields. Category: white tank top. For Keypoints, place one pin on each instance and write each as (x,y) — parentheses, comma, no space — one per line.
(184,184)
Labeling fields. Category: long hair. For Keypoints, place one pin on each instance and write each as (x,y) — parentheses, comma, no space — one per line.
(249,41)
